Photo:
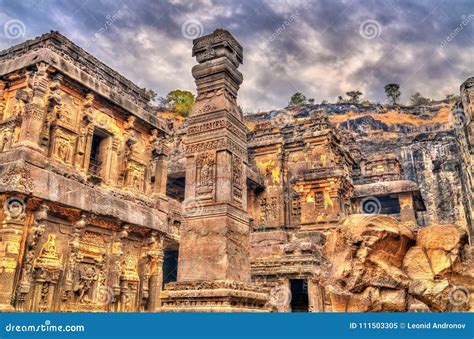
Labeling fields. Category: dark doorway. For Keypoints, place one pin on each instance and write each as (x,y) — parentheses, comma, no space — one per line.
(299,295)
(170,266)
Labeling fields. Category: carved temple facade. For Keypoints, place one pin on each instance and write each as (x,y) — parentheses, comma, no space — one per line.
(107,208)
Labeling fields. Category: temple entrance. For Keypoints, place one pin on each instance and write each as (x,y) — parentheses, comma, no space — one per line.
(299,295)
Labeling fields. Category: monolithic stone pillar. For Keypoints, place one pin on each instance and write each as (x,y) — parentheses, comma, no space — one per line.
(214,240)
(161,174)
(32,124)
(315,296)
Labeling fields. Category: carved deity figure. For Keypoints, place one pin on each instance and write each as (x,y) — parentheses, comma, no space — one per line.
(87,276)
(205,164)
(6,139)
(18,109)
(63,151)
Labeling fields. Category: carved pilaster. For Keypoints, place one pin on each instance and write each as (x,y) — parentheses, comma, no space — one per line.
(159,163)
(3,85)
(34,116)
(47,268)
(152,272)
(74,245)
(11,232)
(31,247)
(86,130)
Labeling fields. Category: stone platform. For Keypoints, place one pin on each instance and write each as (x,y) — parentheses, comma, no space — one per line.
(213,296)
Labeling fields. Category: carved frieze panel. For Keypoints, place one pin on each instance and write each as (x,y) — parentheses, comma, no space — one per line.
(222,143)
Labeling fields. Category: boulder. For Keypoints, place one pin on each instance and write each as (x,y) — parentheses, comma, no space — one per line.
(444,237)
(393,300)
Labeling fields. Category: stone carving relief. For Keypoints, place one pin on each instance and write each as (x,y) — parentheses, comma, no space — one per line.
(205,175)
(31,246)
(63,146)
(237,179)
(18,177)
(53,109)
(47,268)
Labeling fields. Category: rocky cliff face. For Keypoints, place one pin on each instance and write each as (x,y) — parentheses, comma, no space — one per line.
(423,139)
(379,264)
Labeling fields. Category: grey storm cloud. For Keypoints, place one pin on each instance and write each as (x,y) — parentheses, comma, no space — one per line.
(321,48)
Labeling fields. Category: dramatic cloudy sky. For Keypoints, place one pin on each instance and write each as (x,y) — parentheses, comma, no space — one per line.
(321,48)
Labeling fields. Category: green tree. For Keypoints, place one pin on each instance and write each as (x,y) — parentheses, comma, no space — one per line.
(297,99)
(180,101)
(417,99)
(340,99)
(354,96)
(393,92)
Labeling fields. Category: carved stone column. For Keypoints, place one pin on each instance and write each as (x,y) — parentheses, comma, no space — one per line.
(3,85)
(152,276)
(161,173)
(32,124)
(77,231)
(214,267)
(116,264)
(47,268)
(31,247)
(11,233)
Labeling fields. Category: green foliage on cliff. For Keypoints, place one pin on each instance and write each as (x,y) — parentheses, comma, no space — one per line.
(180,101)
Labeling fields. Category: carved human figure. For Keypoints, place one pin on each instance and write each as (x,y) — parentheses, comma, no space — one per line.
(87,276)
(6,139)
(63,151)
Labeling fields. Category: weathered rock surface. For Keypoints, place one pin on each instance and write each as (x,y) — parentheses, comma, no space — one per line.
(378,266)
